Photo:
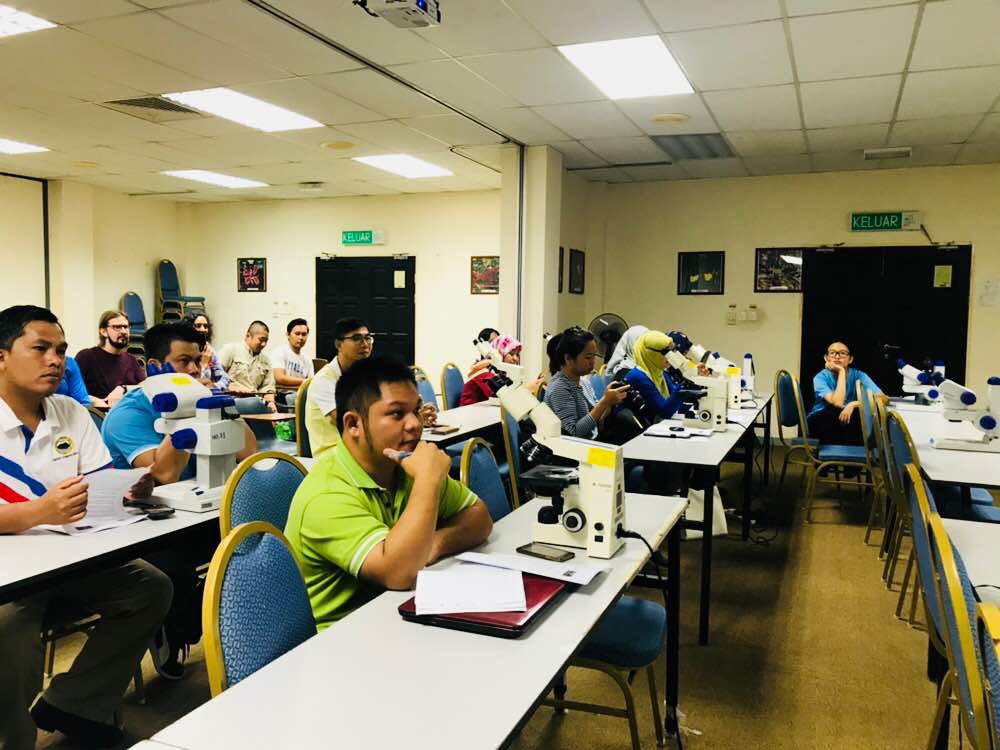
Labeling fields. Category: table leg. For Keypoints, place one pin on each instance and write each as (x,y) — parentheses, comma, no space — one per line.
(767,442)
(748,481)
(673,628)
(706,556)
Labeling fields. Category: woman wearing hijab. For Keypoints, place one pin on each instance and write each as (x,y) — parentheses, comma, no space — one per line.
(623,358)
(647,376)
(478,388)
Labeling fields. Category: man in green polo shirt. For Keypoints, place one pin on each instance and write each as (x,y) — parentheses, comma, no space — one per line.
(369,517)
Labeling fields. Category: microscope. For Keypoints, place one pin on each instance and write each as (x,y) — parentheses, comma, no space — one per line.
(712,407)
(719,367)
(962,405)
(207,425)
(924,384)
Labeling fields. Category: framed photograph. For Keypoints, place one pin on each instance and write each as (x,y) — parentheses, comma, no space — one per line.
(701,272)
(577,271)
(561,251)
(777,270)
(251,274)
(485,274)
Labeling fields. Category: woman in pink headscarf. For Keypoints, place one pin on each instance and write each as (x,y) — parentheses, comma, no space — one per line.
(478,388)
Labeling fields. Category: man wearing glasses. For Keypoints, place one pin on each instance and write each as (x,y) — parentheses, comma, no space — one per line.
(834,417)
(108,368)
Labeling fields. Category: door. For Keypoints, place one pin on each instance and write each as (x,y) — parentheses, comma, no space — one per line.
(886,303)
(379,291)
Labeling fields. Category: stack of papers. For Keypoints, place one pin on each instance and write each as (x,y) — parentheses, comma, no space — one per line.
(105,508)
(467,587)
(668,428)
(573,572)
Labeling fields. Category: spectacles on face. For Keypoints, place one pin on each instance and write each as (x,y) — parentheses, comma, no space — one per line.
(838,354)
(119,327)
(358,338)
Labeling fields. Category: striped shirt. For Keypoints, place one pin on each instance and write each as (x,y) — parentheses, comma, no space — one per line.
(572,402)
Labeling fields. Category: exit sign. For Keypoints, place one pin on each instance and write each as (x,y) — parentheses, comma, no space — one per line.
(885,221)
(363,237)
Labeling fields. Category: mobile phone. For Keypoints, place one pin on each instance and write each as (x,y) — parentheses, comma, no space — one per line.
(544,551)
(158,514)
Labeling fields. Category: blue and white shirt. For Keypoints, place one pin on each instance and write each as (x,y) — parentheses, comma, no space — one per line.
(128,431)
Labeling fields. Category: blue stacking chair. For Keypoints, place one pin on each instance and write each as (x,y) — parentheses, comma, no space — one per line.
(302,446)
(171,302)
(452,384)
(255,493)
(424,387)
(511,431)
(785,387)
(131,305)
(256,606)
(988,634)
(480,473)
(263,431)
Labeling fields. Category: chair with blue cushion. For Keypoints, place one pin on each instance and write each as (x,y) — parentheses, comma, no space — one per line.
(874,469)
(424,387)
(260,489)
(302,446)
(921,505)
(452,384)
(788,417)
(131,305)
(481,474)
(171,303)
(988,635)
(263,431)
(256,606)
(511,431)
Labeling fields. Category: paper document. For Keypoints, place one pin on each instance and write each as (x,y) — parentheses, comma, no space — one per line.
(105,509)
(742,418)
(469,588)
(582,572)
(667,428)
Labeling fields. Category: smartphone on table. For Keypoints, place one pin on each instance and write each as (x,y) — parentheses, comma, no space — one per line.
(544,551)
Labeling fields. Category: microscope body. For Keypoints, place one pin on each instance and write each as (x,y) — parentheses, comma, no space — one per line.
(963,405)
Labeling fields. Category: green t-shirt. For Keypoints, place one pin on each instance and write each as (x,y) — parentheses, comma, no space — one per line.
(338,515)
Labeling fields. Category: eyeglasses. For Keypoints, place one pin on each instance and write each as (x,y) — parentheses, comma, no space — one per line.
(357,338)
(839,353)
(122,327)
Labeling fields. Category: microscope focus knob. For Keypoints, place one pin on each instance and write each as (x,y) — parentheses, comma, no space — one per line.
(573,520)
(548,515)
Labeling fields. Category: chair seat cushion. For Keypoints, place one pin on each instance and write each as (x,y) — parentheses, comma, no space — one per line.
(984,513)
(630,635)
(851,453)
(802,441)
(948,497)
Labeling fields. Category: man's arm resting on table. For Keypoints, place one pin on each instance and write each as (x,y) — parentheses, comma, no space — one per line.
(462,531)
(282,378)
(65,502)
(166,463)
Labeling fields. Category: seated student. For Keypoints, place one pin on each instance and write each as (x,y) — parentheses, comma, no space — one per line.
(647,377)
(291,367)
(489,336)
(212,374)
(247,365)
(571,356)
(108,368)
(478,388)
(834,417)
(72,385)
(622,357)
(364,520)
(47,444)
(133,441)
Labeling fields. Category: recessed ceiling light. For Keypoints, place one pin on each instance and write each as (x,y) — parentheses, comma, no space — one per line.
(337,145)
(246,110)
(16,147)
(214,178)
(404,165)
(669,118)
(629,68)
(13,21)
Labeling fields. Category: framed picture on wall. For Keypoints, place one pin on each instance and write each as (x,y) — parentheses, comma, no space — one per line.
(561,252)
(777,270)
(485,274)
(251,274)
(577,271)
(701,272)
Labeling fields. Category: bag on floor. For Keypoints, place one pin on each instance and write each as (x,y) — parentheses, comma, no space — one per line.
(696,512)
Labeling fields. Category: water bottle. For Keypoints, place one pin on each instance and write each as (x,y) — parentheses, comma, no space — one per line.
(748,372)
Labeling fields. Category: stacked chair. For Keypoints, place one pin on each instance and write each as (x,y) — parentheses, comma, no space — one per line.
(170,303)
(131,305)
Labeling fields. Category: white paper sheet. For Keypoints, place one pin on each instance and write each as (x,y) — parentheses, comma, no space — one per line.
(467,587)
(740,417)
(667,429)
(105,509)
(582,572)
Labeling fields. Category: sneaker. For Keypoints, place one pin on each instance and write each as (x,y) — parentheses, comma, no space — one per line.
(166,658)
(84,732)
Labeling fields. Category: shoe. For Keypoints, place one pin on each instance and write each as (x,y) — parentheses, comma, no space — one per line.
(84,732)
(166,658)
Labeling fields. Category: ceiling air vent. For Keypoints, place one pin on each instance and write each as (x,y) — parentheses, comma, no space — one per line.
(874,154)
(694,146)
(154,109)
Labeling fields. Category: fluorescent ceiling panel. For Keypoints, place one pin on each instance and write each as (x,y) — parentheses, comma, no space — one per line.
(13,21)
(16,147)
(404,165)
(214,178)
(629,68)
(246,110)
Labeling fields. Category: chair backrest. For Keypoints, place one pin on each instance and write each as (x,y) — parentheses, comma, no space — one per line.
(170,287)
(988,634)
(452,384)
(900,451)
(425,389)
(920,504)
(319,363)
(512,444)
(480,473)
(302,446)
(256,606)
(881,441)
(260,489)
(599,383)
(866,398)
(788,413)
(97,416)
(541,394)
(131,305)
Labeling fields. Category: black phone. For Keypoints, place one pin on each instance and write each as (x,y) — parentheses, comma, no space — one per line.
(544,551)
(158,514)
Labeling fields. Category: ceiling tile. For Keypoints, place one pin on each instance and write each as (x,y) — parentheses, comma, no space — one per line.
(234,151)
(478,27)
(848,138)
(653,172)
(574,21)
(734,56)
(604,174)
(317,170)
(636,150)
(455,84)
(160,3)
(302,95)
(208,126)
(768,108)
(462,166)
(376,92)
(702,169)
(114,159)
(17,92)
(526,126)
(641,112)
(938,130)
(857,101)
(246,28)
(989,130)
(394,136)
(767,143)
(682,15)
(806,7)
(102,126)
(577,155)
(60,11)
(957,34)
(979,153)
(316,137)
(925,156)
(533,77)
(842,161)
(863,43)
(949,92)
(589,120)
(453,129)
(765,165)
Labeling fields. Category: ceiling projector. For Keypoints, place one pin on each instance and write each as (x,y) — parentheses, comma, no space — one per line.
(407,14)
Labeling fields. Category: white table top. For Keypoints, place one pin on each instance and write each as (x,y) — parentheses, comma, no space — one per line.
(979,545)
(906,405)
(468,419)
(375,675)
(956,467)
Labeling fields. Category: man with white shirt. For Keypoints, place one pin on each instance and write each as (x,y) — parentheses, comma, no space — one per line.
(291,367)
(48,444)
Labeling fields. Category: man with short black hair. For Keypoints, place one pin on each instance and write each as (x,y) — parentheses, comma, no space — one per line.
(48,444)
(291,367)
(379,506)
(108,368)
(248,367)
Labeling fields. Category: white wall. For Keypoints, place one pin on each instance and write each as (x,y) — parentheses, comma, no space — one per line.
(22,248)
(583,228)
(442,230)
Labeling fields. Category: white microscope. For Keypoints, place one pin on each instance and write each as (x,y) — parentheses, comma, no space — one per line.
(923,384)
(207,425)
(712,408)
(739,380)
(962,405)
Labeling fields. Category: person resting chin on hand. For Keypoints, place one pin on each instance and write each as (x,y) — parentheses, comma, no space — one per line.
(834,418)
